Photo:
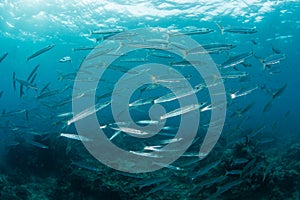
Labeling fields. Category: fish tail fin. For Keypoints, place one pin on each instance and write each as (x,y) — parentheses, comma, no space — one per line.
(264,66)
(95,40)
(148,55)
(260,59)
(226,172)
(72,161)
(239,114)
(27,115)
(14,80)
(220,27)
(90,32)
(65,125)
(35,87)
(236,113)
(256,56)
(168,37)
(269,91)
(60,76)
(263,179)
(228,54)
(21,91)
(137,109)
(185,53)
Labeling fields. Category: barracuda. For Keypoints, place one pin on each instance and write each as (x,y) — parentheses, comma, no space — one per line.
(3,57)
(273,59)
(180,94)
(39,52)
(180,111)
(87,112)
(239,30)
(235,60)
(211,48)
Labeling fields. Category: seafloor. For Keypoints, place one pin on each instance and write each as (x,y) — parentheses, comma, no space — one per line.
(30,173)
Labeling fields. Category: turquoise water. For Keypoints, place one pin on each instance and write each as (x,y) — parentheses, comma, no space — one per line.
(257,155)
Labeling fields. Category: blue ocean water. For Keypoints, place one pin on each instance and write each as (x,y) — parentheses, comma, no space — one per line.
(261,128)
